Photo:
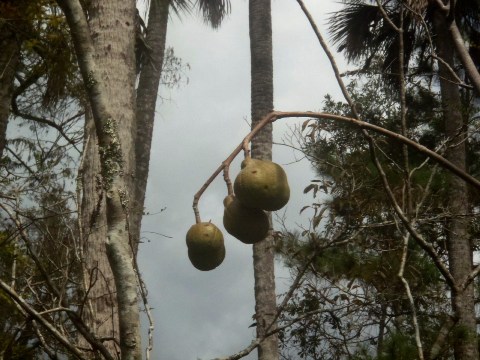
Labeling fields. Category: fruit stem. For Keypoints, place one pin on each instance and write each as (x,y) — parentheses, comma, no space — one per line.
(226,164)
(275,115)
(226,177)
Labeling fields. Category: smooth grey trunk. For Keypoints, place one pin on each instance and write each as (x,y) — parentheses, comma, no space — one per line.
(9,57)
(459,247)
(147,93)
(260,24)
(113,24)
(100,309)
(105,53)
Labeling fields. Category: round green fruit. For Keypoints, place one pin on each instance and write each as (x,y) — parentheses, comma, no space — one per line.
(249,225)
(206,261)
(206,249)
(262,184)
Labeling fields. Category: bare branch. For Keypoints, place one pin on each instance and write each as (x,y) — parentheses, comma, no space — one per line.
(418,339)
(409,226)
(442,337)
(331,58)
(38,317)
(44,121)
(73,316)
(445,7)
(387,19)
(464,56)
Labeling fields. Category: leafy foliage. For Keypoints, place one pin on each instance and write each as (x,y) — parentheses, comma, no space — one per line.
(353,303)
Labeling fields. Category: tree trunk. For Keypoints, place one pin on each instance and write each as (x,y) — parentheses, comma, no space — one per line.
(105,53)
(100,309)
(147,93)
(112,24)
(9,56)
(459,248)
(262,103)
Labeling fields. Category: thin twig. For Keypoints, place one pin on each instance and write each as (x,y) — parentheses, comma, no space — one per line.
(418,339)
(243,145)
(44,121)
(73,316)
(275,115)
(430,250)
(37,316)
(387,18)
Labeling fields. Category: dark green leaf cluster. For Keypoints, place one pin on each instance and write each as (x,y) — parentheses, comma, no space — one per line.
(356,303)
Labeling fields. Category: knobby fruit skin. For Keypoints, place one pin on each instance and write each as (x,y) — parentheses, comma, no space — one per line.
(262,184)
(249,225)
(205,244)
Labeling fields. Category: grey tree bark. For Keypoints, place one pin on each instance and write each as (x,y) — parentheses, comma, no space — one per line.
(260,24)
(113,24)
(100,310)
(147,93)
(105,53)
(459,248)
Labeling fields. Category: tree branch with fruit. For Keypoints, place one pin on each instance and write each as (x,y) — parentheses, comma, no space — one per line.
(263,186)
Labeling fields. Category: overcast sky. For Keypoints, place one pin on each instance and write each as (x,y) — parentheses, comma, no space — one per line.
(204,315)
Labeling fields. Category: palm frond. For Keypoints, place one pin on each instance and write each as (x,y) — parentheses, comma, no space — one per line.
(180,6)
(351,28)
(468,10)
(213,11)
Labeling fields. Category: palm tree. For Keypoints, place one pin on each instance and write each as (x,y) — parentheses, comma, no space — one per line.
(260,25)
(362,33)
(149,79)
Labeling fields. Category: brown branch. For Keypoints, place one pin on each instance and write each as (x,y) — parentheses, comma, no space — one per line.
(41,320)
(418,339)
(255,343)
(444,7)
(393,135)
(470,278)
(226,178)
(243,145)
(442,336)
(296,283)
(331,58)
(72,315)
(464,56)
(44,121)
(276,115)
(452,72)
(429,249)
(387,18)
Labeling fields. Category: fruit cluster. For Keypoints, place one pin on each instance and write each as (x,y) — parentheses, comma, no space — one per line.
(260,186)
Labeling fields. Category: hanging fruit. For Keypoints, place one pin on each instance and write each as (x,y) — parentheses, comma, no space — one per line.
(249,225)
(262,184)
(206,249)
